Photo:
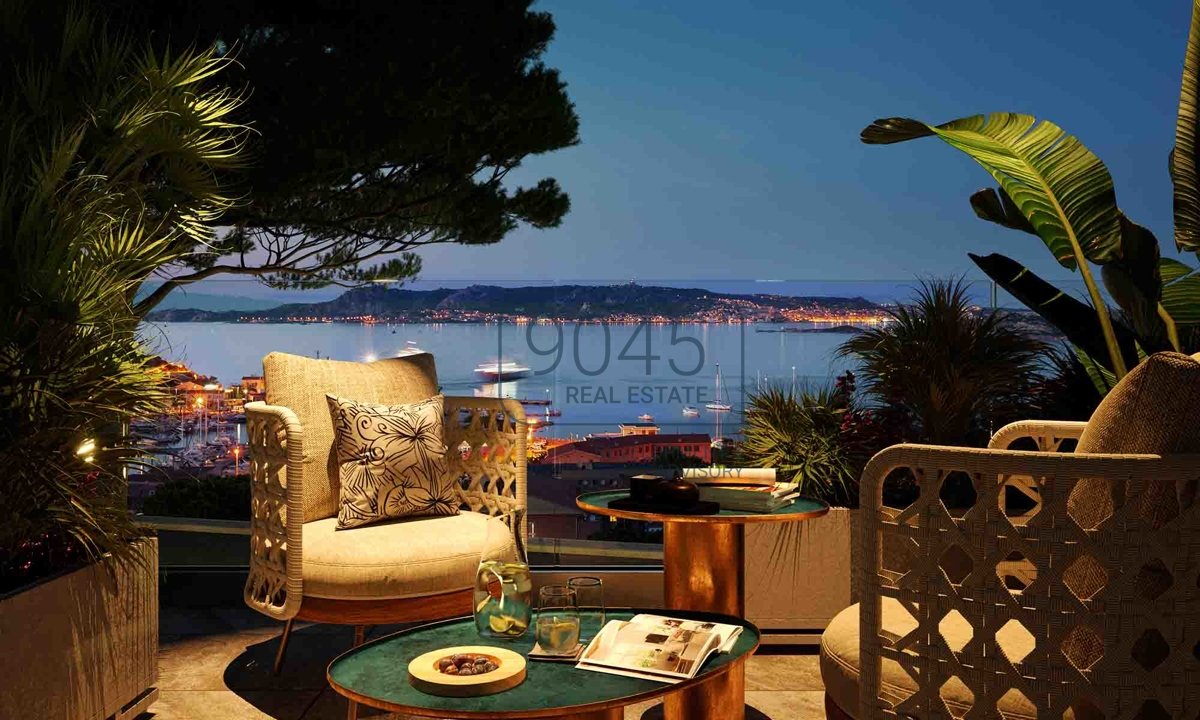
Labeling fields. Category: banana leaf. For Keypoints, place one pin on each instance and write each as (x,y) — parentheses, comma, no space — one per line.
(1101,377)
(1181,293)
(1075,319)
(1183,163)
(1061,187)
(994,205)
(1133,278)
(1135,283)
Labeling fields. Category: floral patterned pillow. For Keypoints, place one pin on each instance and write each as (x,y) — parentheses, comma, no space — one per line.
(391,460)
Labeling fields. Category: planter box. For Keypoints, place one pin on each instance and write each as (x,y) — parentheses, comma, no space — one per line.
(83,645)
(798,575)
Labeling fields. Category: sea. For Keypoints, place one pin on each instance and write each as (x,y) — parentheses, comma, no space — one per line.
(597,376)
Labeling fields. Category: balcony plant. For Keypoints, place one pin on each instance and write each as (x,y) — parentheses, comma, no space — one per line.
(108,154)
(1052,186)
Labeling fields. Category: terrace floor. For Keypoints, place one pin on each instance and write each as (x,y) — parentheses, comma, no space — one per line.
(215,662)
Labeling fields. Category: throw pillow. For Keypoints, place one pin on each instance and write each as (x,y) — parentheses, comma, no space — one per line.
(391,461)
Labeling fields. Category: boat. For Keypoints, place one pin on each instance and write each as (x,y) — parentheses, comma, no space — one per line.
(646,417)
(689,411)
(410,348)
(719,403)
(503,370)
(553,412)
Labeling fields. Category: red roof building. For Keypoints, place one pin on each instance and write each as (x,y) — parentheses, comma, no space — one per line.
(629,449)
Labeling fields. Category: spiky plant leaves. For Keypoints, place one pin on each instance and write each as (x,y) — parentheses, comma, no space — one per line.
(960,371)
(105,181)
(798,435)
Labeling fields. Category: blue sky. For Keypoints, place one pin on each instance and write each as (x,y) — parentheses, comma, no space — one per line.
(720,140)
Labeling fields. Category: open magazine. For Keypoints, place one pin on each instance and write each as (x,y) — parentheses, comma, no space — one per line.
(654,647)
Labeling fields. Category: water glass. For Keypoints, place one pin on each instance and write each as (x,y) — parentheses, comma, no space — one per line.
(589,593)
(557,620)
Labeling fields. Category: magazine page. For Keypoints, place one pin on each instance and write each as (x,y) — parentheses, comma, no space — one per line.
(658,650)
(727,635)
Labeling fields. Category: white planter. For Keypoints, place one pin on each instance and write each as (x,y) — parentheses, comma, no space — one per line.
(798,574)
(82,646)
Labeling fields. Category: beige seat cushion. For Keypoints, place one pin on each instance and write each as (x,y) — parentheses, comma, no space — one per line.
(412,557)
(840,662)
(301,383)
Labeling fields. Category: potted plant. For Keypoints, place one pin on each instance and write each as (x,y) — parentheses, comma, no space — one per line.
(940,372)
(108,154)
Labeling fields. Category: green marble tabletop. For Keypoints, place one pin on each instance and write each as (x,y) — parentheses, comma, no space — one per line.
(798,509)
(379,670)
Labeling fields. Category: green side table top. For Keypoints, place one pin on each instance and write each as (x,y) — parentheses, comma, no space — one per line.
(376,674)
(801,508)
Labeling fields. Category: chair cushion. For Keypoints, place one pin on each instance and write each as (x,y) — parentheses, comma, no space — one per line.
(840,662)
(392,461)
(301,383)
(1155,409)
(394,559)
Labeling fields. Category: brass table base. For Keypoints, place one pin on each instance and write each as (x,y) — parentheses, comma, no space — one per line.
(703,569)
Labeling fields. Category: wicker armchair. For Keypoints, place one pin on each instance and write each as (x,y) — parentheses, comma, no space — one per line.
(1067,589)
(410,570)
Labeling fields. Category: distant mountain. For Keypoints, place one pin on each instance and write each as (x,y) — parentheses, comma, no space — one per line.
(183,299)
(568,302)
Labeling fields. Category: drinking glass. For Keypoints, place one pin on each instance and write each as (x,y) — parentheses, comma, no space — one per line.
(503,584)
(589,593)
(557,620)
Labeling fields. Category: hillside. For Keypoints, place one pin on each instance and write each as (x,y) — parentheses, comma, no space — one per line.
(567,302)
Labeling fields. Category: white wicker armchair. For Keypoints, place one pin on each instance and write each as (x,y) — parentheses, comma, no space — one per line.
(293,501)
(1068,588)
(1037,650)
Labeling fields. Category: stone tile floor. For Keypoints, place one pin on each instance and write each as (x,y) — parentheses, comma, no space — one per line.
(215,663)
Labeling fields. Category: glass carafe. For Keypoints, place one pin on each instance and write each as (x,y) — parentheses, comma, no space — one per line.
(503,583)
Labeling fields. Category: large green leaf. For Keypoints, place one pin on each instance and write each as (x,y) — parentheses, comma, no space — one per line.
(994,205)
(1183,158)
(1181,294)
(1135,283)
(1059,185)
(1171,269)
(1074,319)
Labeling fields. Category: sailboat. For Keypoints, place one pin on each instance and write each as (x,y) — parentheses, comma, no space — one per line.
(719,403)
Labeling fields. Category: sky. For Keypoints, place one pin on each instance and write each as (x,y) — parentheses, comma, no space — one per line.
(720,140)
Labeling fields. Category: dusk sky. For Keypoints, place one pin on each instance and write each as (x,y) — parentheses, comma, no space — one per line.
(722,144)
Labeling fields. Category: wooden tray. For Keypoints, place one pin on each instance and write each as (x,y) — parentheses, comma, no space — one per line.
(424,675)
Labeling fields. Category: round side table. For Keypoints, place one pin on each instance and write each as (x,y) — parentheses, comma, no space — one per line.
(376,674)
(704,560)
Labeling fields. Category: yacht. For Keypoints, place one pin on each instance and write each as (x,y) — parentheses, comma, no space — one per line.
(646,417)
(720,402)
(410,348)
(689,411)
(503,370)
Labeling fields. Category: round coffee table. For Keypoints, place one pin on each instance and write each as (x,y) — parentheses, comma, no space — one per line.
(376,674)
(704,560)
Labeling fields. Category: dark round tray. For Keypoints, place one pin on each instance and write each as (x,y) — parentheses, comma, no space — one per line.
(702,507)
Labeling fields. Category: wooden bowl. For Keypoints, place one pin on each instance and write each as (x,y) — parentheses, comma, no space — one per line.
(423,673)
